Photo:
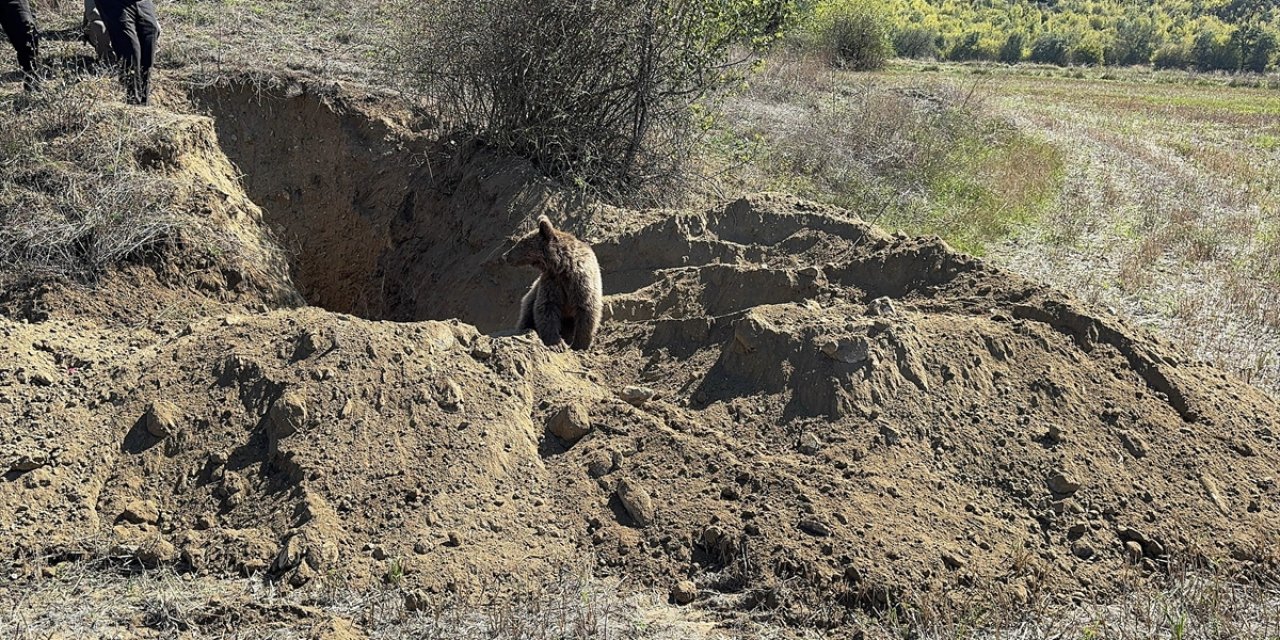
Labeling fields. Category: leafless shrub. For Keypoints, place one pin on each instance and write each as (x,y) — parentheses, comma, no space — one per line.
(599,93)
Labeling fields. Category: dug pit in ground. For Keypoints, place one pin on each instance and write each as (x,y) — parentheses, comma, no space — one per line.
(825,419)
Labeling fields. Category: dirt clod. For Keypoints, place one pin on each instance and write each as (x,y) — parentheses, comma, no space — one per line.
(29,461)
(449,395)
(1133,551)
(162,419)
(637,502)
(636,395)
(684,592)
(140,512)
(155,551)
(288,415)
(1134,444)
(1063,482)
(570,423)
(953,561)
(814,527)
(809,444)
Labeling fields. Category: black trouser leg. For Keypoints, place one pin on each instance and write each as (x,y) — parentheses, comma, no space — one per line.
(20,28)
(148,30)
(120,18)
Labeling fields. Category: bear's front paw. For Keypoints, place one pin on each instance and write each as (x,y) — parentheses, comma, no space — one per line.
(559,347)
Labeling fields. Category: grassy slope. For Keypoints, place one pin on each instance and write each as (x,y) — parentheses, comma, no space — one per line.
(928,156)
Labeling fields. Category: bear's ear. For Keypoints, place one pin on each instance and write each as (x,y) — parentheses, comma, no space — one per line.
(545,228)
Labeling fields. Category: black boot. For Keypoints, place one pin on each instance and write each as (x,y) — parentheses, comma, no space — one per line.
(31,80)
(138,87)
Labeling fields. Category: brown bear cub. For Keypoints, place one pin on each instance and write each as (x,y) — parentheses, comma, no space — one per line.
(565,302)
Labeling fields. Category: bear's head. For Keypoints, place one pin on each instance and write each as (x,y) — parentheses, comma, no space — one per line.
(546,248)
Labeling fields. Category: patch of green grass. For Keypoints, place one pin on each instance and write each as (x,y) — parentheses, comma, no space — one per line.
(927,158)
(1237,102)
(993,190)
(1266,141)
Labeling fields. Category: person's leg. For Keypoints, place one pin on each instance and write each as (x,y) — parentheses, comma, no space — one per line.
(11,22)
(20,28)
(148,29)
(119,18)
(95,32)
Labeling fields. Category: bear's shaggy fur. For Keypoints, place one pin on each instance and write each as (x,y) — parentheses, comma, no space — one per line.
(565,302)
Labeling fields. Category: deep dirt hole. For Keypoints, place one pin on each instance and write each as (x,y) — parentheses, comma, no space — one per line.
(379,222)
(387,224)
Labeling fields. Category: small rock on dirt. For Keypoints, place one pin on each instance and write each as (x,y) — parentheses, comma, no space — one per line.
(1063,482)
(156,551)
(815,527)
(1133,551)
(449,395)
(1134,444)
(482,349)
(416,600)
(29,461)
(847,350)
(809,444)
(570,423)
(1083,550)
(890,435)
(161,419)
(1052,434)
(684,592)
(635,395)
(602,463)
(141,512)
(307,344)
(287,415)
(637,502)
(1210,486)
(1077,531)
(952,560)
(882,307)
(292,553)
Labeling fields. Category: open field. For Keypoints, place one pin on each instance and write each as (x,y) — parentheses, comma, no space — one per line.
(1170,210)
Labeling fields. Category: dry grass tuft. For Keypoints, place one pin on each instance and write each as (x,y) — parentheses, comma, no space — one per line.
(73,198)
(93,599)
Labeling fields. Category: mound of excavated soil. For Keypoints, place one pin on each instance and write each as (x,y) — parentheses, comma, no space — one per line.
(831,420)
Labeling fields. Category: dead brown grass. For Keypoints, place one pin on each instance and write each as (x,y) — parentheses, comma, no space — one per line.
(73,198)
(100,598)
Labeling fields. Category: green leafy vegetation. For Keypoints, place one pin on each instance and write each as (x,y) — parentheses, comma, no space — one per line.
(929,158)
(1205,35)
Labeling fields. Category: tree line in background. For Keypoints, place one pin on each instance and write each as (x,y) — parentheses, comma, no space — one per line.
(1205,35)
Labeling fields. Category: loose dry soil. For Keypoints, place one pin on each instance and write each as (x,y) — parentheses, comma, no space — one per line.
(822,418)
